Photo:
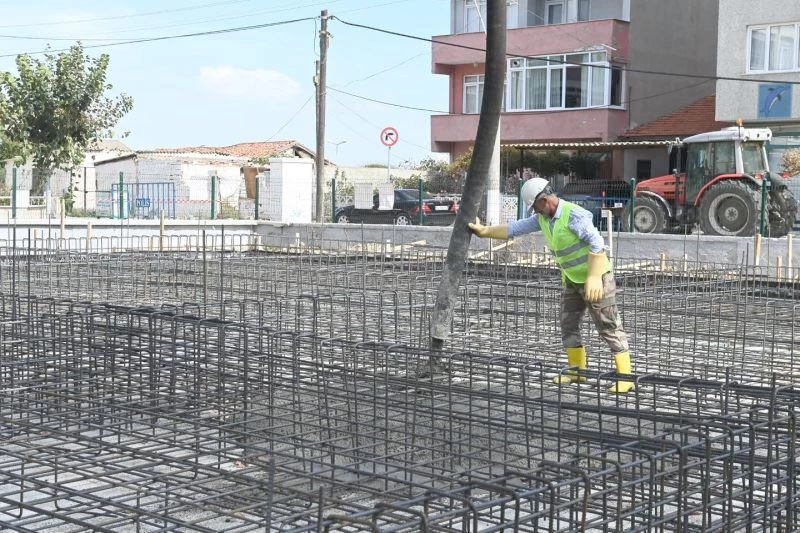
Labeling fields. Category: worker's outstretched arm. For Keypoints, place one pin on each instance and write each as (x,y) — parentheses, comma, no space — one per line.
(489,232)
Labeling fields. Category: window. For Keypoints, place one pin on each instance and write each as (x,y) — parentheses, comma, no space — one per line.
(774,48)
(473,93)
(644,169)
(563,81)
(555,10)
(474,15)
(753,158)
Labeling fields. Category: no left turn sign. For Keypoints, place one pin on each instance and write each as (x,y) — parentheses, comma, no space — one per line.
(389,136)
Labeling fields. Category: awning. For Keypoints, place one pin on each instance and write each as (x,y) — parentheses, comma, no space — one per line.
(594,144)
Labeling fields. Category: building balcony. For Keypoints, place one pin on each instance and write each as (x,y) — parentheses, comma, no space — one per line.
(453,133)
(610,34)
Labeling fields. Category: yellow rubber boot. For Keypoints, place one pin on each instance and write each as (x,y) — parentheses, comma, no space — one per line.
(576,357)
(623,362)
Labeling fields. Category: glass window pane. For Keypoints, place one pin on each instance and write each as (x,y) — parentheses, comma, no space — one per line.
(537,88)
(752,158)
(724,161)
(556,88)
(616,87)
(517,96)
(598,56)
(598,86)
(537,63)
(758,49)
(555,13)
(577,94)
(578,58)
(781,47)
(583,9)
(470,99)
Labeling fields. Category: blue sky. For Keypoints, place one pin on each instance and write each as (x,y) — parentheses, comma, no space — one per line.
(244,87)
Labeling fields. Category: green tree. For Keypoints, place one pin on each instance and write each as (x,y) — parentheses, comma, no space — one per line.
(791,161)
(54,108)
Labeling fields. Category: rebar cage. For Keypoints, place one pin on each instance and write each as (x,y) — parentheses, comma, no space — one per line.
(282,391)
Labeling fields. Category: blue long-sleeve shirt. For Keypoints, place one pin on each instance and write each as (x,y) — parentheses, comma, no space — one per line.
(580,222)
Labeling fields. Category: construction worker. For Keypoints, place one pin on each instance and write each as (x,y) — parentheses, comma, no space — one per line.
(585,272)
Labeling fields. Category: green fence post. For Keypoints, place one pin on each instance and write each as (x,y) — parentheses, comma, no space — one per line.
(213,197)
(333,196)
(520,207)
(764,195)
(258,195)
(121,196)
(14,192)
(421,212)
(633,205)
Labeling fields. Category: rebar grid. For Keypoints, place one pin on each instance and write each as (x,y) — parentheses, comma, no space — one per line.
(701,321)
(278,392)
(170,422)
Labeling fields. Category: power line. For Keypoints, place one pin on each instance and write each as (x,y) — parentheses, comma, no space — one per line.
(249,15)
(369,123)
(573,63)
(384,70)
(390,103)
(537,111)
(169,37)
(128,16)
(294,115)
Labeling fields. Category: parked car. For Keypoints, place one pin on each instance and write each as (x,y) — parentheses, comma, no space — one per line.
(436,211)
(595,195)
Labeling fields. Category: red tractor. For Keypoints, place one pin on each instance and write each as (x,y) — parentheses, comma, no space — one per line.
(721,190)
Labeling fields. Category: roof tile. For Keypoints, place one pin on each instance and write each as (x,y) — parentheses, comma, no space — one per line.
(699,117)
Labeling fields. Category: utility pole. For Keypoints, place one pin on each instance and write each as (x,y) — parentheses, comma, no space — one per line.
(320,82)
(475,186)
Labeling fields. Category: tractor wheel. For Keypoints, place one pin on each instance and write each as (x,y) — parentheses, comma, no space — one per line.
(649,216)
(730,208)
(782,212)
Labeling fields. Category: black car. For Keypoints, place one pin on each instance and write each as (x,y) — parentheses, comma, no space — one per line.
(436,211)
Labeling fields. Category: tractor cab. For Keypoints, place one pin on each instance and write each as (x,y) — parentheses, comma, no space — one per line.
(731,152)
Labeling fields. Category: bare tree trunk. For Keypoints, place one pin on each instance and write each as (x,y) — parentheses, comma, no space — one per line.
(477,177)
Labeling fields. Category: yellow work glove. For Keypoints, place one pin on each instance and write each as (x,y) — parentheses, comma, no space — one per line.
(594,280)
(488,232)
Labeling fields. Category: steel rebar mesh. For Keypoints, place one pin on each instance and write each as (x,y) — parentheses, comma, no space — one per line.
(238,392)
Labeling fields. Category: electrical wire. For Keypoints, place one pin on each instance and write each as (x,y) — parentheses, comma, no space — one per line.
(369,123)
(170,37)
(128,16)
(573,63)
(391,104)
(294,115)
(538,112)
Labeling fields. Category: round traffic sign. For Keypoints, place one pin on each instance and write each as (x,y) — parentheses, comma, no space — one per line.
(389,136)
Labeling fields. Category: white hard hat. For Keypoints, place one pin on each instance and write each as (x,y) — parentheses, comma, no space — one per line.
(532,189)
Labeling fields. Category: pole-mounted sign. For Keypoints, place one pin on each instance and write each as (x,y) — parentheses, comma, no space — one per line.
(389,136)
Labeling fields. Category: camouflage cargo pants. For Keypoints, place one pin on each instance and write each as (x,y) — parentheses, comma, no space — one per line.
(604,314)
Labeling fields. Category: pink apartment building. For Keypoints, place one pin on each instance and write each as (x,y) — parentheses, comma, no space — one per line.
(568,73)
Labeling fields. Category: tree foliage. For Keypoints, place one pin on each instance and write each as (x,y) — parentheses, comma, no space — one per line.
(55,108)
(791,161)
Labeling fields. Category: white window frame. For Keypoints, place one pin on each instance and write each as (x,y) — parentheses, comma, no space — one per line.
(559,63)
(478,83)
(767,29)
(469,5)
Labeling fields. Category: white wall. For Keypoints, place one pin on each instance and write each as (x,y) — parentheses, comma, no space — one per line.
(740,99)
(659,161)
